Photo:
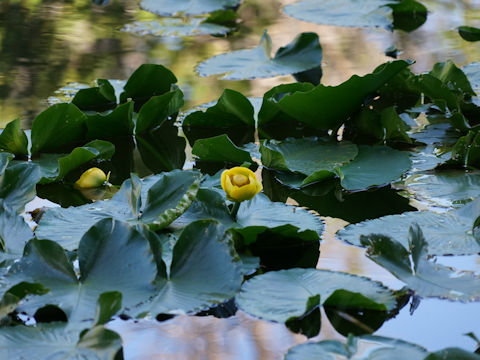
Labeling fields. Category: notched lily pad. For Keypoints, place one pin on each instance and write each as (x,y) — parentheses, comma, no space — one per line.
(303,53)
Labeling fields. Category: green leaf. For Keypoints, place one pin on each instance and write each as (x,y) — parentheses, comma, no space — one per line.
(162,198)
(328,107)
(203,272)
(374,165)
(55,167)
(162,149)
(147,81)
(220,149)
(108,304)
(97,98)
(17,185)
(12,297)
(47,341)
(366,13)
(303,53)
(14,233)
(371,347)
(5,158)
(408,15)
(232,115)
(452,188)
(112,256)
(452,353)
(108,125)
(159,109)
(315,158)
(13,139)
(469,33)
(449,74)
(177,27)
(447,233)
(60,126)
(414,268)
(186,7)
(283,295)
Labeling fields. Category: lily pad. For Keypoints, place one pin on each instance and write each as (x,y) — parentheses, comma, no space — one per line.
(452,188)
(162,197)
(13,139)
(371,347)
(303,53)
(17,185)
(469,33)
(285,294)
(186,7)
(355,13)
(176,27)
(418,271)
(220,149)
(312,157)
(449,233)
(374,165)
(112,257)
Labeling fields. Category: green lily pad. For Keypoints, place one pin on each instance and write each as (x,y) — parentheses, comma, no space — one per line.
(176,27)
(374,165)
(13,139)
(312,157)
(60,126)
(303,53)
(17,185)
(112,257)
(418,271)
(220,149)
(186,7)
(203,272)
(454,188)
(447,233)
(56,340)
(13,296)
(162,197)
(285,294)
(328,107)
(378,348)
(355,13)
(469,33)
(232,114)
(118,122)
(55,167)
(99,98)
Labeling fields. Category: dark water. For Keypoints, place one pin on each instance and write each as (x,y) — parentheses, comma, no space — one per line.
(48,44)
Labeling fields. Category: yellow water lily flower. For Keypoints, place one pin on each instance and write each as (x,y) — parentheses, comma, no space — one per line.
(240,184)
(92,178)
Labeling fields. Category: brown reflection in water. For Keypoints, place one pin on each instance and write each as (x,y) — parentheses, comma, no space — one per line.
(197,338)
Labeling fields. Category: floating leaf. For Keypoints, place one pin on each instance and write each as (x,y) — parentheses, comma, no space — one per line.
(17,185)
(162,197)
(112,257)
(176,27)
(118,122)
(315,158)
(447,233)
(232,114)
(56,166)
(98,98)
(414,268)
(303,53)
(283,295)
(220,149)
(328,107)
(13,139)
(60,126)
(371,13)
(374,165)
(378,348)
(469,33)
(186,7)
(203,272)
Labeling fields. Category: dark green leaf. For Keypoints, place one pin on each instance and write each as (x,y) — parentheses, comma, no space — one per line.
(115,123)
(60,126)
(220,149)
(328,107)
(97,98)
(303,53)
(231,115)
(414,268)
(408,15)
(13,139)
(108,304)
(469,33)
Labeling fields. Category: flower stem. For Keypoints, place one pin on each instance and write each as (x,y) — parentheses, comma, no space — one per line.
(234,211)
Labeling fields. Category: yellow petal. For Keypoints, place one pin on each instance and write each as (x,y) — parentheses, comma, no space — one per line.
(92,178)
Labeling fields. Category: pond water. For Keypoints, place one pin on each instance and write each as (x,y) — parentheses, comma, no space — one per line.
(46,45)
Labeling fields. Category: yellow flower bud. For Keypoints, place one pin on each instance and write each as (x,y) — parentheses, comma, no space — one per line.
(240,184)
(91,178)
